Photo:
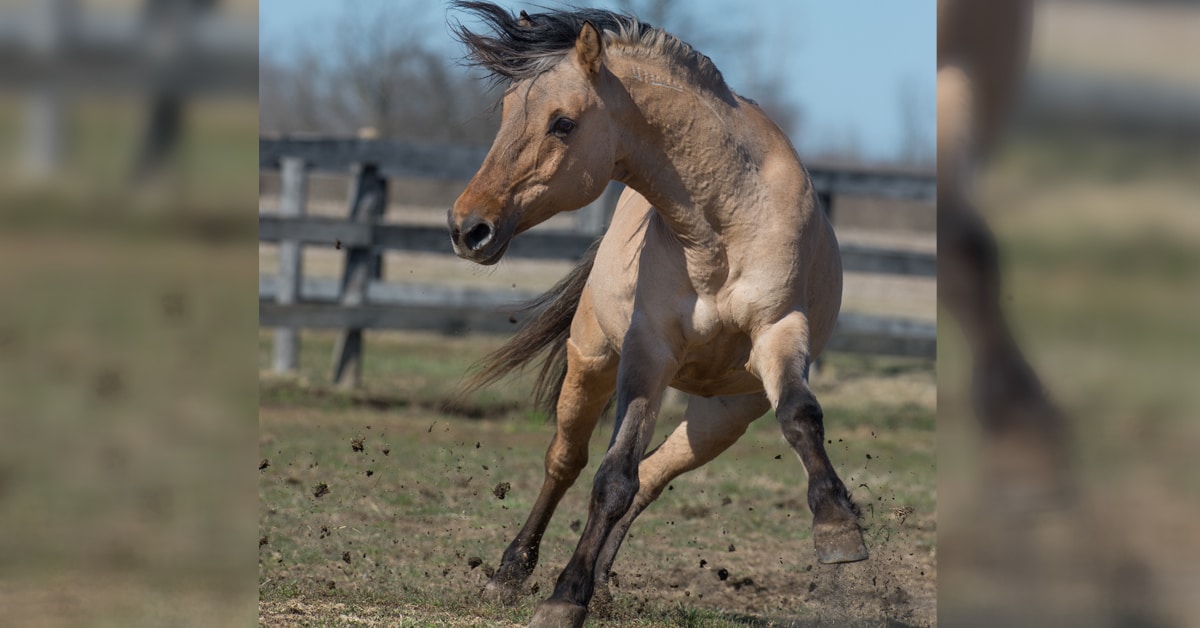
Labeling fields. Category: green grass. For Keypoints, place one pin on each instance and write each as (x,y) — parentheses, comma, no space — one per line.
(1098,241)
(131,391)
(428,504)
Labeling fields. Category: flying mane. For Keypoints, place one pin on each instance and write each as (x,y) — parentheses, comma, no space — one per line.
(523,46)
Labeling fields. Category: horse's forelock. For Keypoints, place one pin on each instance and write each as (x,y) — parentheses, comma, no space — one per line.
(521,46)
(516,48)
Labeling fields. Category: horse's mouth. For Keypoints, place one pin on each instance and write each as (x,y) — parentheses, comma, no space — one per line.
(482,256)
(495,257)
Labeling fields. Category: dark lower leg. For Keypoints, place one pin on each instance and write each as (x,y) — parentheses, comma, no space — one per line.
(803,427)
(709,427)
(521,556)
(615,486)
(836,532)
(581,402)
(608,552)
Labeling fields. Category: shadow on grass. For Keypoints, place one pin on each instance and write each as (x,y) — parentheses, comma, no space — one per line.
(289,393)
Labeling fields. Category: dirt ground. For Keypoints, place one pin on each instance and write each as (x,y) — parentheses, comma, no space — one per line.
(380,508)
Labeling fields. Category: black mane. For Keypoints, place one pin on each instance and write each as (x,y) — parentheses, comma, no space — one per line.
(522,46)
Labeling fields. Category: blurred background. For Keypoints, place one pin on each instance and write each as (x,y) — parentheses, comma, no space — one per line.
(1094,200)
(127,261)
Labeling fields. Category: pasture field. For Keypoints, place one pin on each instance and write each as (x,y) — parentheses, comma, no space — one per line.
(1098,243)
(390,505)
(128,387)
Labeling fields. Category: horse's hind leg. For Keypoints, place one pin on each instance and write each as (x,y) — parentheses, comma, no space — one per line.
(709,427)
(780,358)
(589,384)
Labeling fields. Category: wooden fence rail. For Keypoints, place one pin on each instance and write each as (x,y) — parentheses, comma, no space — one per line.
(55,50)
(361,300)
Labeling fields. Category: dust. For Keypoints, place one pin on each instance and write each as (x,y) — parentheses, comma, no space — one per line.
(719,564)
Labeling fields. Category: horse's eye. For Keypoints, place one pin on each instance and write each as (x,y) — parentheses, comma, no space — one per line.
(562,126)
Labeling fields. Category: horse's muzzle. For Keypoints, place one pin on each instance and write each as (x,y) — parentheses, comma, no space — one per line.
(476,239)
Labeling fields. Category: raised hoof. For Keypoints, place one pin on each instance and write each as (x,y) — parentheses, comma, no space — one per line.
(839,543)
(504,594)
(558,614)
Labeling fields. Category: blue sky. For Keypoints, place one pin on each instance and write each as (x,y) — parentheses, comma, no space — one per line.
(844,63)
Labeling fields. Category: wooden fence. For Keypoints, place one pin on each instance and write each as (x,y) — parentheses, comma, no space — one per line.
(53,50)
(361,300)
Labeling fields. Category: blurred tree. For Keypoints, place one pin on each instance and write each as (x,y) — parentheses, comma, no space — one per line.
(382,70)
(379,70)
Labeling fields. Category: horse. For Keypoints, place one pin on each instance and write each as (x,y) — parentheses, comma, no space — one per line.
(719,275)
(983,48)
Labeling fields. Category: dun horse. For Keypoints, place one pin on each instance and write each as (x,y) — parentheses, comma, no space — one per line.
(719,275)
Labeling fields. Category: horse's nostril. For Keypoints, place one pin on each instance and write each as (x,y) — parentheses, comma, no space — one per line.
(478,236)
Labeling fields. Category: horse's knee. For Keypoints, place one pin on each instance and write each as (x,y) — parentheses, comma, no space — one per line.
(616,485)
(566,459)
(801,418)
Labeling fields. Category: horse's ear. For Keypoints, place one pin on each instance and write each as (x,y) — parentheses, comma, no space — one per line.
(525,21)
(589,48)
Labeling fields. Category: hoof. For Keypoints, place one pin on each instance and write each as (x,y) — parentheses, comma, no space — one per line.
(499,593)
(558,614)
(839,543)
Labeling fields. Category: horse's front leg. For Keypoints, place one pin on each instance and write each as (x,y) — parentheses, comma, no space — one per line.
(645,370)
(709,427)
(780,358)
(586,389)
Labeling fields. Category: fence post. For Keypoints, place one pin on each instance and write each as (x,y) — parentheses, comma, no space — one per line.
(294,183)
(49,37)
(368,202)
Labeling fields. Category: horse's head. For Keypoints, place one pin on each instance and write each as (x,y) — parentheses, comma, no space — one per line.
(554,152)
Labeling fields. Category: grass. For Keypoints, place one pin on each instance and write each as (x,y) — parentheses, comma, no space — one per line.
(131,416)
(410,519)
(1098,244)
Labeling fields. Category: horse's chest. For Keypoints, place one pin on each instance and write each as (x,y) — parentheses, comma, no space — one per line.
(714,362)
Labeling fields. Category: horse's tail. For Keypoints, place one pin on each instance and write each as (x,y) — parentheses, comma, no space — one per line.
(546,333)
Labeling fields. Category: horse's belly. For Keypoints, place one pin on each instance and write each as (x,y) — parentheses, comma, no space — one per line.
(734,383)
(717,368)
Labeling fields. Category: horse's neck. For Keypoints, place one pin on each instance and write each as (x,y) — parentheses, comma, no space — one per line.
(684,152)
